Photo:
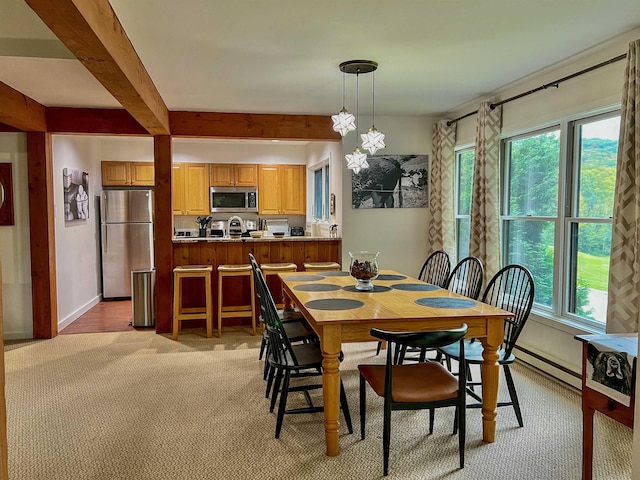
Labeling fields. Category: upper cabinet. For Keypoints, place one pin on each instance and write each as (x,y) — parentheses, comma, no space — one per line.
(282,189)
(127,174)
(190,188)
(233,175)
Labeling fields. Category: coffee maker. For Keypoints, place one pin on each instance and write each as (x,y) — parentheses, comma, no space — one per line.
(235,226)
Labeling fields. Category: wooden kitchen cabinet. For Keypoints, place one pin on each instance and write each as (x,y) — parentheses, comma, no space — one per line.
(190,188)
(282,189)
(177,188)
(233,175)
(127,174)
(142,174)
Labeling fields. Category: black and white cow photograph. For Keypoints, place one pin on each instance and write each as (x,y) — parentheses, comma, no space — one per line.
(392,181)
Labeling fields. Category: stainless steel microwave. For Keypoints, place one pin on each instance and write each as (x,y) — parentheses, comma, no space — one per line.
(234,199)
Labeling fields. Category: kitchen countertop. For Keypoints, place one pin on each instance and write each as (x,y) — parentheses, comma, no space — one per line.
(250,239)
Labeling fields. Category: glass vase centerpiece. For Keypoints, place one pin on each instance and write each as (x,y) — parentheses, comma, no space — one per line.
(364,268)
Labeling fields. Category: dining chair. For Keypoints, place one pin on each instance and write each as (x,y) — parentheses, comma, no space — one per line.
(415,386)
(435,270)
(293,361)
(511,289)
(294,324)
(466,278)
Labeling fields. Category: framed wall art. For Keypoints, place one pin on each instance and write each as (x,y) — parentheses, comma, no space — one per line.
(392,181)
(76,194)
(6,194)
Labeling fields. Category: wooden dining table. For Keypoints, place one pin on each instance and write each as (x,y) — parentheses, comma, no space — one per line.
(339,314)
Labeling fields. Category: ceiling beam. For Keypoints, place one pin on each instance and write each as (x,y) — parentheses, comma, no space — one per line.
(21,112)
(92,31)
(253,126)
(109,121)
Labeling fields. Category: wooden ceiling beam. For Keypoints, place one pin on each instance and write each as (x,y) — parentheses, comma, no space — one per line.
(108,121)
(21,112)
(92,31)
(252,126)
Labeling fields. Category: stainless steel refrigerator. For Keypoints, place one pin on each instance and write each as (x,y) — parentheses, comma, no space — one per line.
(127,238)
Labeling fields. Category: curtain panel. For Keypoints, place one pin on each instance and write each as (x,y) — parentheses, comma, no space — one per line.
(623,314)
(441,233)
(484,242)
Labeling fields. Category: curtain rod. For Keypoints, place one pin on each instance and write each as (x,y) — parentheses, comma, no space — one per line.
(555,83)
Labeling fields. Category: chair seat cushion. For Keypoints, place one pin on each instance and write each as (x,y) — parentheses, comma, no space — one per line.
(473,352)
(413,383)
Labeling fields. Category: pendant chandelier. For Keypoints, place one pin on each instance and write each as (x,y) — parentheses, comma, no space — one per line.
(344,122)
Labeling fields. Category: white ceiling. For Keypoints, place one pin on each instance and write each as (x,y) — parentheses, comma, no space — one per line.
(282,56)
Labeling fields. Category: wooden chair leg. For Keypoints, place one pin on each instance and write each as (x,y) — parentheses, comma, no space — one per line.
(283,402)
(512,393)
(363,406)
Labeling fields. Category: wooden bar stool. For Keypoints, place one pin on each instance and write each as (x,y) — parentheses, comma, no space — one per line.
(274,269)
(235,311)
(191,313)
(321,266)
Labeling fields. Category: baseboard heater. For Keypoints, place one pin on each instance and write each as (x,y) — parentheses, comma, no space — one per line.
(549,362)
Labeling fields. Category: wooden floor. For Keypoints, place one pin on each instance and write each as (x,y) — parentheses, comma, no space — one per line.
(111,316)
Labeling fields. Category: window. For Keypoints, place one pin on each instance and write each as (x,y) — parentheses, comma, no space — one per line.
(321,192)
(557,207)
(463,188)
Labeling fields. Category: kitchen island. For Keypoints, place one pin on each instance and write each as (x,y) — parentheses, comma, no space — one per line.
(220,251)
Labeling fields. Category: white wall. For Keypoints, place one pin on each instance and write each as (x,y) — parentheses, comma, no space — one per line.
(587,94)
(399,234)
(15,249)
(78,272)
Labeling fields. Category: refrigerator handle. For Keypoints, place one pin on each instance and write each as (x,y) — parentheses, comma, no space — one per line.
(106,239)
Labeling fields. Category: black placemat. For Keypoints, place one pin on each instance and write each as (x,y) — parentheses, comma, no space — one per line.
(333,273)
(317,287)
(305,278)
(376,289)
(387,276)
(334,304)
(415,287)
(445,302)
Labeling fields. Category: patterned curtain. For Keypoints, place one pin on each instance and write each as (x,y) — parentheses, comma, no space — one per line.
(623,314)
(441,234)
(485,198)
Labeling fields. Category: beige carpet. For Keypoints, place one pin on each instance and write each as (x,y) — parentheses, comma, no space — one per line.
(136,405)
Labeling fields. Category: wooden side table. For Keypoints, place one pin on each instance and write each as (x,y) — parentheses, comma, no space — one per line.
(593,401)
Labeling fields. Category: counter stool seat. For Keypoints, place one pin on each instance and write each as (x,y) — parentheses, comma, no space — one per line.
(235,311)
(191,313)
(274,269)
(321,266)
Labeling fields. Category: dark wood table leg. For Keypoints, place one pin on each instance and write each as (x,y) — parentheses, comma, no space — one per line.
(587,442)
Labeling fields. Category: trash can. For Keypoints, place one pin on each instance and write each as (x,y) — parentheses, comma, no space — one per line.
(143,284)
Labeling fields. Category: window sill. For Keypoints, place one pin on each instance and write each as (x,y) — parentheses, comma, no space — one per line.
(564,324)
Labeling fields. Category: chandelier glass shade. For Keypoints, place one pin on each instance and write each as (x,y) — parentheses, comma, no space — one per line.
(343,122)
(357,160)
(373,140)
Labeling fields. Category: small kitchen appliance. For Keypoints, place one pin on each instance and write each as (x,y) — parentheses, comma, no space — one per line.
(236,226)
(218,229)
(234,199)
(297,232)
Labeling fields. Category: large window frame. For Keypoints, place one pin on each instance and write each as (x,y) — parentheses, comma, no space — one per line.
(567,220)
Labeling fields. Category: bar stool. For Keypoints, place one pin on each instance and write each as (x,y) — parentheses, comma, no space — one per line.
(274,269)
(321,266)
(248,310)
(190,313)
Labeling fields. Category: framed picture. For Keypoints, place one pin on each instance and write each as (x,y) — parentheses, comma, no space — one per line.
(392,181)
(76,194)
(6,194)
